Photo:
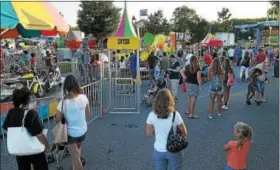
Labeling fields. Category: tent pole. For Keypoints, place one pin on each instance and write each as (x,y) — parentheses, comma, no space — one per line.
(3,32)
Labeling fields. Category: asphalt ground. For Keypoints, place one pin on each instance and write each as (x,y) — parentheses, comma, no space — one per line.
(118,142)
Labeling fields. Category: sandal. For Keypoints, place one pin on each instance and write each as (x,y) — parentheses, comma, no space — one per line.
(193,117)
(83,161)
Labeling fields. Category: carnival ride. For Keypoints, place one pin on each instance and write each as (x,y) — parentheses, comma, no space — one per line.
(28,20)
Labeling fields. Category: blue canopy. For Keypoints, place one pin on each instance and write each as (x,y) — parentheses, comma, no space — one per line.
(268,23)
(246,26)
(258,24)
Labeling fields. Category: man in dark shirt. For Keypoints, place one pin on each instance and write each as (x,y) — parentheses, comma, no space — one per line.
(174,76)
(151,63)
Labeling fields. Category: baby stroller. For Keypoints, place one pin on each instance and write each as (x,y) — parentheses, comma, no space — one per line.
(151,93)
(57,153)
(204,73)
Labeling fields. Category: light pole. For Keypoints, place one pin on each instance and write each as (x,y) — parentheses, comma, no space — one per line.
(138,78)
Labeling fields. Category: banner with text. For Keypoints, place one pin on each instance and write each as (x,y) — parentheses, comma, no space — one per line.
(123,43)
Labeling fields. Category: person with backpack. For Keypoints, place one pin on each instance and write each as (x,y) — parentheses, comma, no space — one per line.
(245,64)
(228,81)
(216,78)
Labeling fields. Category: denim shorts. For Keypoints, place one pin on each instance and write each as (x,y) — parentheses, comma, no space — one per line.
(260,86)
(230,168)
(79,139)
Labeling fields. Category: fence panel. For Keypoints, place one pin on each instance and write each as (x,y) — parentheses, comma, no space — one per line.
(94,93)
(123,96)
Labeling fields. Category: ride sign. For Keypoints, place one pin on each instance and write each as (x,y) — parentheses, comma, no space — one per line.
(123,43)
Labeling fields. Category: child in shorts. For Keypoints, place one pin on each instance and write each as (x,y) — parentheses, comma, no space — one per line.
(237,150)
(252,86)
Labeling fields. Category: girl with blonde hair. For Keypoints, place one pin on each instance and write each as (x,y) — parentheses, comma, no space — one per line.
(192,76)
(216,77)
(237,150)
(159,123)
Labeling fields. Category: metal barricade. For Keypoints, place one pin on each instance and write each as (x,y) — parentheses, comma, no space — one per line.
(123,96)
(106,93)
(93,92)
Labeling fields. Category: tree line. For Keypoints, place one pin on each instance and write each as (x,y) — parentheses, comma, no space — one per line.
(101,19)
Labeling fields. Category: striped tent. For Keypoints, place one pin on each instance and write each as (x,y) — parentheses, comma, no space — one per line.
(211,40)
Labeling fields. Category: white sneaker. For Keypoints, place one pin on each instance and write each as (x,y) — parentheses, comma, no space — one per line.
(225,107)
(210,117)
(219,114)
(263,100)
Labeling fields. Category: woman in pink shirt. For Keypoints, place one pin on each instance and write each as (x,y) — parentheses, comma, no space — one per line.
(237,150)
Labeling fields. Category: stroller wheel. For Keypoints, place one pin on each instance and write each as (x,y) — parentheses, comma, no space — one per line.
(50,158)
(60,168)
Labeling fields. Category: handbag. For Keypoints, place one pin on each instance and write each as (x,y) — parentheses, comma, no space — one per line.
(60,129)
(183,87)
(176,140)
(21,143)
(230,80)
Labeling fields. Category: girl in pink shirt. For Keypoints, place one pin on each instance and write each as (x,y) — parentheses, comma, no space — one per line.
(237,150)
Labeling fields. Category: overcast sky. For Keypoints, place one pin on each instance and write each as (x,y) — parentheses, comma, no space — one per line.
(205,9)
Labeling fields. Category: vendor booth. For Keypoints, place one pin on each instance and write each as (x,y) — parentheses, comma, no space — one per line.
(266,32)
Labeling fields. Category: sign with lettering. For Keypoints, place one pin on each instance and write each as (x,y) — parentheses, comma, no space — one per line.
(123,43)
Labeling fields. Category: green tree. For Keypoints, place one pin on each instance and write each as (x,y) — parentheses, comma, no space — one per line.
(157,24)
(224,19)
(273,13)
(274,3)
(200,30)
(99,18)
(185,18)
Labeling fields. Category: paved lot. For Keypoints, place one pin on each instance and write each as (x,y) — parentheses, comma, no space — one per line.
(118,142)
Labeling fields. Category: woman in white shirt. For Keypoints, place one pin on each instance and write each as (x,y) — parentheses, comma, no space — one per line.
(159,122)
(75,106)
(122,63)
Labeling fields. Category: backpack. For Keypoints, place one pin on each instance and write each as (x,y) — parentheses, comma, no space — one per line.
(230,80)
(216,84)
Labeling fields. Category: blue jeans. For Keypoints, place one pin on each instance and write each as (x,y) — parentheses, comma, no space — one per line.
(229,168)
(165,159)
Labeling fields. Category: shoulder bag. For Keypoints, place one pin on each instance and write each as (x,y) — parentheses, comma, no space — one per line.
(60,129)
(28,145)
(176,140)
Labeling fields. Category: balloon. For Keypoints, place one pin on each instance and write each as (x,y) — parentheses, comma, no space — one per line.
(144,56)
(148,38)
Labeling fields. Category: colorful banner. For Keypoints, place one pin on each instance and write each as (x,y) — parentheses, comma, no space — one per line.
(123,43)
